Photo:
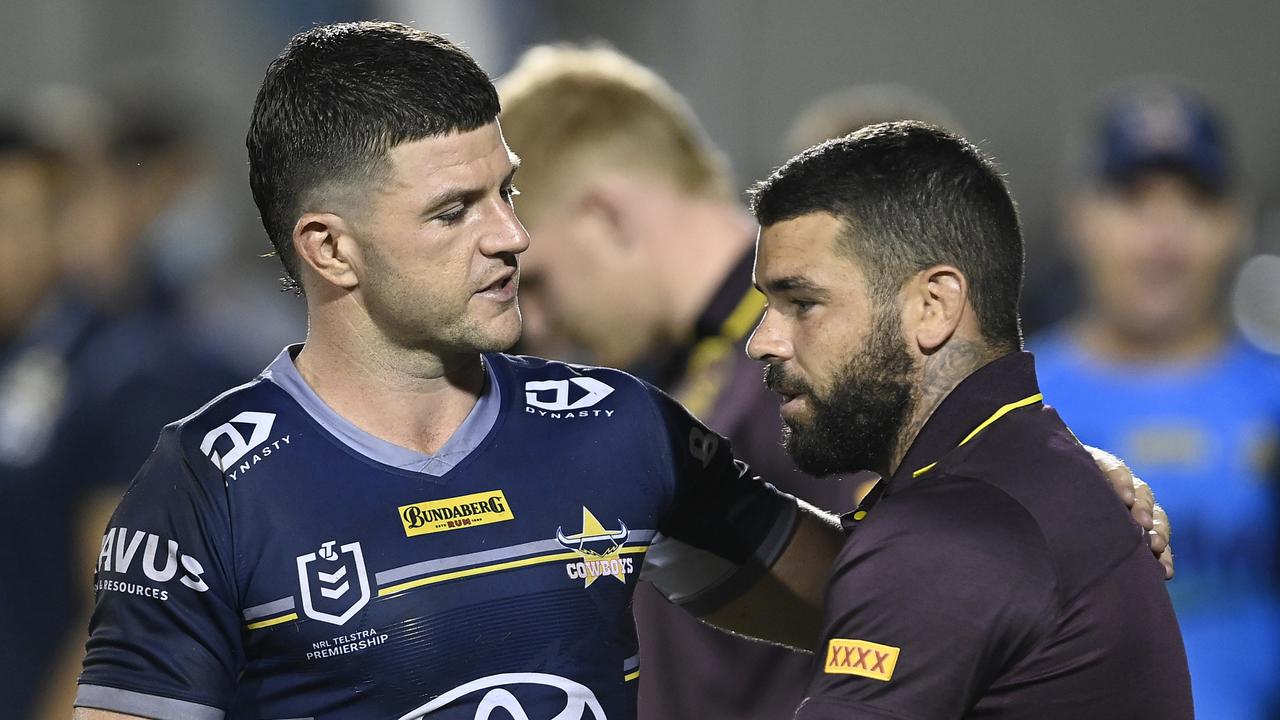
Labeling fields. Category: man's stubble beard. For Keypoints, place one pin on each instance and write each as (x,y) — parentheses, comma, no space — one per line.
(857,426)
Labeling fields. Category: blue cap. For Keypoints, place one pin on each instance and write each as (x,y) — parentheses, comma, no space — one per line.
(1162,129)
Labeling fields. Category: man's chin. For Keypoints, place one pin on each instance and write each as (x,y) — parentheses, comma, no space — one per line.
(493,336)
(809,456)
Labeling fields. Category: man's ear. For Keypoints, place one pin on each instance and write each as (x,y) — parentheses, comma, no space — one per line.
(326,248)
(607,206)
(935,302)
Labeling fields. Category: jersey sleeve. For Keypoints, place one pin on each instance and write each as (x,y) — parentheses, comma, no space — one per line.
(933,596)
(164,639)
(725,527)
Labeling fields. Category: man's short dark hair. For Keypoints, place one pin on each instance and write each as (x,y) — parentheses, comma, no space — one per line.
(912,196)
(337,99)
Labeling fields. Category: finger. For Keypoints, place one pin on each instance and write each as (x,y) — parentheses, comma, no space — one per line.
(1143,507)
(1117,472)
(1166,559)
(1122,482)
(1161,531)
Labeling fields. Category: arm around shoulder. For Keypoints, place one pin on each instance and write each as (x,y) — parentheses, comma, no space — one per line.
(734,550)
(784,605)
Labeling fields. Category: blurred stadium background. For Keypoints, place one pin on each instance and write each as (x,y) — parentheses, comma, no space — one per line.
(1018,78)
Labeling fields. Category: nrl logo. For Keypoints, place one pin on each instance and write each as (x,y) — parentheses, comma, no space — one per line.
(600,550)
(336,603)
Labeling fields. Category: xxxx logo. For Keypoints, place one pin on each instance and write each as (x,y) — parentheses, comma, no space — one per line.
(859,657)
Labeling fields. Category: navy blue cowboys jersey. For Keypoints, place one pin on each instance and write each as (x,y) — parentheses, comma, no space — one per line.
(271,560)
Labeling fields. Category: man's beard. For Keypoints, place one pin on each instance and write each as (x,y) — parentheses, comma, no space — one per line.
(857,426)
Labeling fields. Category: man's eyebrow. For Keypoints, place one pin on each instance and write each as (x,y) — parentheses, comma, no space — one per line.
(791,283)
(462,194)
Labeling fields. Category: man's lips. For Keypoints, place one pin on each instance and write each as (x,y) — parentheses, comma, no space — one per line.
(789,396)
(790,404)
(788,389)
(502,289)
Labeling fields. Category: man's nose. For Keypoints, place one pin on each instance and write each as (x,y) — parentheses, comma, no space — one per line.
(767,343)
(508,236)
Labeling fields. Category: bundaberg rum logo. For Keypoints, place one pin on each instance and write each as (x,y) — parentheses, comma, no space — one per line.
(456,512)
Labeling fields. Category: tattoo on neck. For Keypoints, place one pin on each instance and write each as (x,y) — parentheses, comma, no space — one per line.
(943,371)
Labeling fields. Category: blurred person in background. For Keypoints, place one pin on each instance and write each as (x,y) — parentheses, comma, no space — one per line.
(37,601)
(92,363)
(1151,367)
(641,257)
(845,110)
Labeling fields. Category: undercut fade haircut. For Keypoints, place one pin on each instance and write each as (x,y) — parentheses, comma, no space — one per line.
(911,196)
(337,100)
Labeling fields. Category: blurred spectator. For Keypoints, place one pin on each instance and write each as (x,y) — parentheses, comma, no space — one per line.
(93,362)
(1151,368)
(642,257)
(843,111)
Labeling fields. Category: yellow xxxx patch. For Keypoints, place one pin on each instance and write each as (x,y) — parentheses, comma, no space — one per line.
(457,512)
(859,657)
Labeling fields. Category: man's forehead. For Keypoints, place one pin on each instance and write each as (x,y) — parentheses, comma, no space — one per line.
(461,151)
(807,246)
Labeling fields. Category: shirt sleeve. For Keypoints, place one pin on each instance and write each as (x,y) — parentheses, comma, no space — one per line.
(934,595)
(724,528)
(164,638)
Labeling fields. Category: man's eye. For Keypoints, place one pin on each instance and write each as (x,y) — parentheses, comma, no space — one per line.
(453,217)
(509,193)
(802,306)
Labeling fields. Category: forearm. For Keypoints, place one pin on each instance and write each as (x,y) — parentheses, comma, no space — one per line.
(785,605)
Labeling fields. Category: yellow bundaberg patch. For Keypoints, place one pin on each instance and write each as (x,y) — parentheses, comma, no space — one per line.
(859,657)
(453,513)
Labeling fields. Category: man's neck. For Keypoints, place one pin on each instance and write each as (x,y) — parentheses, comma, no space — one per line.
(414,399)
(942,372)
(705,244)
(1112,342)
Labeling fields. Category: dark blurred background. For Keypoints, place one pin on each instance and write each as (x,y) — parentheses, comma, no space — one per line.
(1019,76)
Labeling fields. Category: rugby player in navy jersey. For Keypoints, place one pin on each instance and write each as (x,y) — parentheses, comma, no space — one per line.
(987,575)
(395,520)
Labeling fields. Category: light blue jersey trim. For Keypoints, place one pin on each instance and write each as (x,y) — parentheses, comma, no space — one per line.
(100,697)
(465,439)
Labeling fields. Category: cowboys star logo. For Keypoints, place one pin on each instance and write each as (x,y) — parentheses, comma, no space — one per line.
(600,551)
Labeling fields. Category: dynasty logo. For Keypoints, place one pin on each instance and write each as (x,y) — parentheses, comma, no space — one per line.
(600,549)
(456,512)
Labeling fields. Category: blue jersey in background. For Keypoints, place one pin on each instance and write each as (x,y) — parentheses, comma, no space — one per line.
(1204,435)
